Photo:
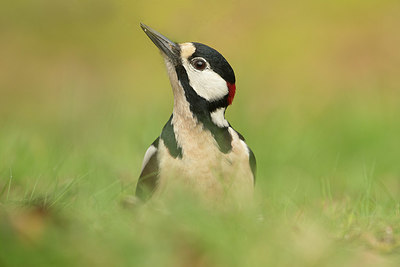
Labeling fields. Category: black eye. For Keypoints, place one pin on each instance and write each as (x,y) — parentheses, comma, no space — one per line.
(199,64)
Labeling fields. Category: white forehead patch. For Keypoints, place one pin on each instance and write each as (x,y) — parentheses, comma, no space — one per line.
(187,49)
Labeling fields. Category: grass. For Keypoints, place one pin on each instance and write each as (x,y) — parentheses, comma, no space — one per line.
(322,199)
(83,93)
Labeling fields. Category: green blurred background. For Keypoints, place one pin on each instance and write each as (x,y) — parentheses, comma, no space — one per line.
(83,92)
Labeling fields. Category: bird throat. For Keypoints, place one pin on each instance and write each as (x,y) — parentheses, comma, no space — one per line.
(191,111)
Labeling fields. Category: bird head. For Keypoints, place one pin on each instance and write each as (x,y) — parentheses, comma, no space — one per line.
(202,72)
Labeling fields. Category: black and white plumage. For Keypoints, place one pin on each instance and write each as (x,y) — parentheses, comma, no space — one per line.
(197,146)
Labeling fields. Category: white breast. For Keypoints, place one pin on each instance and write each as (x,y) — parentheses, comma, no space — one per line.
(211,174)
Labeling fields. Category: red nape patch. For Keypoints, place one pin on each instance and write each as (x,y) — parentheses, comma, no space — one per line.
(232,91)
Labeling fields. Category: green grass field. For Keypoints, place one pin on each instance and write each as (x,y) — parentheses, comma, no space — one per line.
(83,92)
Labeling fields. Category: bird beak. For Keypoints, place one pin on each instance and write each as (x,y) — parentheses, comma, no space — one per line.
(166,46)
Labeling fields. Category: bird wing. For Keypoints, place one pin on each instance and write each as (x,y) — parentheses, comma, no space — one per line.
(253,164)
(252,157)
(149,175)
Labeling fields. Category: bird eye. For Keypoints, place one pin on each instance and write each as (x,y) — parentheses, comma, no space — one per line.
(199,64)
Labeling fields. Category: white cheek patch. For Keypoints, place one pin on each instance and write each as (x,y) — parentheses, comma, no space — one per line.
(207,83)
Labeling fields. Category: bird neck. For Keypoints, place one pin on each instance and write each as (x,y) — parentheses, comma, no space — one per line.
(188,116)
(191,107)
(190,110)
(218,118)
(200,113)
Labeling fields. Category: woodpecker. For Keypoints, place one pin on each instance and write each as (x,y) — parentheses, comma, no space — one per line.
(197,147)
